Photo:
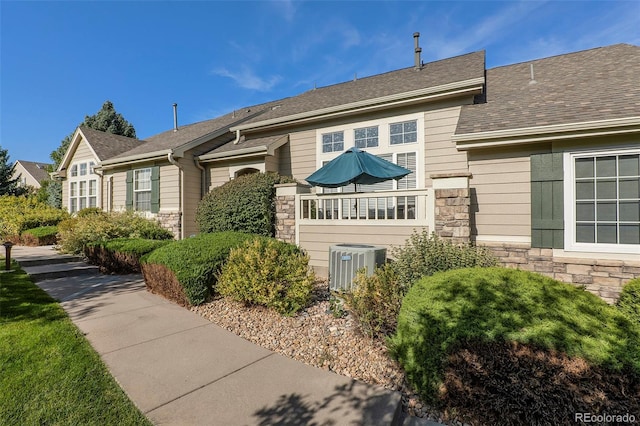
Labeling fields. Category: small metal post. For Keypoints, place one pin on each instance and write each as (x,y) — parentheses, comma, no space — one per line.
(7,252)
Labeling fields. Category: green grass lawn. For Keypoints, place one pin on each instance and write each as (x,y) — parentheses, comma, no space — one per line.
(49,374)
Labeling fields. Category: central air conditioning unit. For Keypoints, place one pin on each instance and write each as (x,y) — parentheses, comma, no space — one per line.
(346,259)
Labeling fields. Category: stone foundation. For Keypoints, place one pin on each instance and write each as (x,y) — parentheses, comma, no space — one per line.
(452,199)
(286,210)
(602,277)
(170,221)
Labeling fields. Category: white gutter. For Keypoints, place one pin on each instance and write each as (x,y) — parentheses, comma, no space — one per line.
(430,93)
(238,152)
(138,158)
(522,135)
(180,189)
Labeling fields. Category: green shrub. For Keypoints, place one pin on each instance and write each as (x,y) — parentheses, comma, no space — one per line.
(376,300)
(195,261)
(76,232)
(443,313)
(425,254)
(268,272)
(43,235)
(121,255)
(629,302)
(245,204)
(18,214)
(91,211)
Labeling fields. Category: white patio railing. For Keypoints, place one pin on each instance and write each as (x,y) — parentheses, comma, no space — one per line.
(406,207)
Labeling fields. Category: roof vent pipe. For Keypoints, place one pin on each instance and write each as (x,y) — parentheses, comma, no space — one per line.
(175,117)
(417,51)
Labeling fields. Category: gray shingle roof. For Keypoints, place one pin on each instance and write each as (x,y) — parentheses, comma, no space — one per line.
(37,170)
(248,143)
(107,145)
(432,74)
(596,84)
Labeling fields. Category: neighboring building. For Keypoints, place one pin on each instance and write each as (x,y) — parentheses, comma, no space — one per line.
(30,173)
(538,160)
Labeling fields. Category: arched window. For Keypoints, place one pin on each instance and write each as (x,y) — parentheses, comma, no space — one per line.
(246,171)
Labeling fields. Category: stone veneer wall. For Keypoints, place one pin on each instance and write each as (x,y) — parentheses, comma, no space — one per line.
(170,221)
(602,277)
(452,214)
(286,210)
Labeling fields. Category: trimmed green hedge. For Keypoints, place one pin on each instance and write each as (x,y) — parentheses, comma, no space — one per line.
(121,255)
(444,312)
(40,236)
(629,302)
(245,204)
(195,261)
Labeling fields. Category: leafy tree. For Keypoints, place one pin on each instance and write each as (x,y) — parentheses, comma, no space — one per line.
(8,186)
(106,120)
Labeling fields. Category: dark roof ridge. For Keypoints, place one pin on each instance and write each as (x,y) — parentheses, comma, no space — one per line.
(561,55)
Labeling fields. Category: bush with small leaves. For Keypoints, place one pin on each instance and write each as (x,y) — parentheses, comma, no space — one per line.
(268,272)
(425,254)
(376,300)
(629,302)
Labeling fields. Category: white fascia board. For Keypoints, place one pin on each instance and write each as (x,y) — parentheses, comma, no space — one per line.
(524,135)
(149,156)
(429,93)
(75,141)
(238,153)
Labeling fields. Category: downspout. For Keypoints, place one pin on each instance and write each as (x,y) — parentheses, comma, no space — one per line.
(203,176)
(110,193)
(237,139)
(181,198)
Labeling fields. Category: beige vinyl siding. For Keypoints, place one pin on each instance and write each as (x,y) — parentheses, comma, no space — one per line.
(169,188)
(119,194)
(24,174)
(219,175)
(83,153)
(65,194)
(302,147)
(272,163)
(501,192)
(192,194)
(441,155)
(316,239)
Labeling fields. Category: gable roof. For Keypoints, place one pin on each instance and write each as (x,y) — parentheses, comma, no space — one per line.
(433,77)
(36,170)
(587,86)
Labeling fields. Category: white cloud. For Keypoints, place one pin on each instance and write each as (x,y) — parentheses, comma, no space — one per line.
(247,79)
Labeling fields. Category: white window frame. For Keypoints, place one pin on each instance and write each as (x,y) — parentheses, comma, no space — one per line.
(83,179)
(384,143)
(570,243)
(141,191)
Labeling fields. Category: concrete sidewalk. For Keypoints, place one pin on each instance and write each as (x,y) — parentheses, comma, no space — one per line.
(180,369)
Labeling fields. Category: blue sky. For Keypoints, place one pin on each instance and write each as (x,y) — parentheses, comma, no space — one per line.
(59,61)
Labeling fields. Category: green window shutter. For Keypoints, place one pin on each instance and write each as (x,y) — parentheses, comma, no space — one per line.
(155,189)
(547,201)
(129,199)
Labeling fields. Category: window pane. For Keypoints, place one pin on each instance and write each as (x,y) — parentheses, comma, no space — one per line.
(607,234)
(338,146)
(83,188)
(629,188)
(410,137)
(630,234)
(93,201)
(411,207)
(361,143)
(143,201)
(83,169)
(395,128)
(93,185)
(327,148)
(410,126)
(396,139)
(607,211)
(338,136)
(585,190)
(74,171)
(630,211)
(606,190)
(326,138)
(629,165)
(605,166)
(584,167)
(73,205)
(360,133)
(142,180)
(73,189)
(91,166)
(82,203)
(585,233)
(585,211)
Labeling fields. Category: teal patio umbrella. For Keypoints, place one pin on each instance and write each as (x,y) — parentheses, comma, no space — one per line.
(357,167)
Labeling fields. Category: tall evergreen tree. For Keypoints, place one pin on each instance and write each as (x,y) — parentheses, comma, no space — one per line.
(8,184)
(106,120)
